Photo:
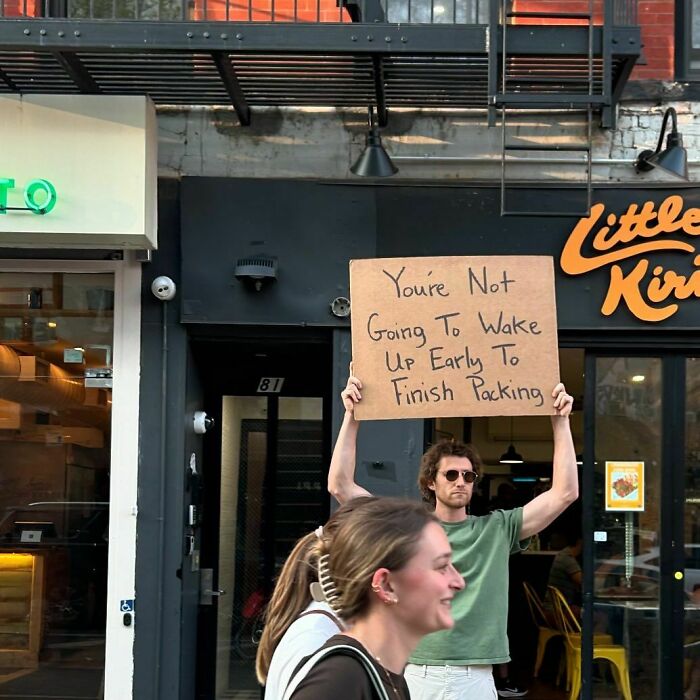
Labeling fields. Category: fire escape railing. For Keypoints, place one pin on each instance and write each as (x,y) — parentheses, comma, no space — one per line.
(461,12)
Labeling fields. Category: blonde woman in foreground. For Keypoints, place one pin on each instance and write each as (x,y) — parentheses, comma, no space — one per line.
(386,571)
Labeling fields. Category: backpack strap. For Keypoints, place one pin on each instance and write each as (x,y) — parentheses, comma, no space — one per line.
(330,616)
(347,650)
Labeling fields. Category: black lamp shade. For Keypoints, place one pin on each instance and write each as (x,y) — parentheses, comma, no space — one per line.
(374,160)
(673,159)
(510,456)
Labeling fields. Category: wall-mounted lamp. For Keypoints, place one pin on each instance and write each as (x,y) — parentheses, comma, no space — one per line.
(673,159)
(256,272)
(374,160)
(510,456)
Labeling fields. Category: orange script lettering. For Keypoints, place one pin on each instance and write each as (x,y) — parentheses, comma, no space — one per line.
(637,232)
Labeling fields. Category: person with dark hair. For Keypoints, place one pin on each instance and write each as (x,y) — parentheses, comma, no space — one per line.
(457,663)
(387,573)
(565,574)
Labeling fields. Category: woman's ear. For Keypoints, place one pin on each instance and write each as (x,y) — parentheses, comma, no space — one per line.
(382,588)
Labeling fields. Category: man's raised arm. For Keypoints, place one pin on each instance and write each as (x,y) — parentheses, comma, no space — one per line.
(541,511)
(341,475)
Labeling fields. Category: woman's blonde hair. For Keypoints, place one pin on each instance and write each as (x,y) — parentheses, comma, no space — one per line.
(291,595)
(382,533)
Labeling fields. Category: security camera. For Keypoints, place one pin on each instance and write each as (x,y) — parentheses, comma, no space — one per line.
(163,288)
(202,422)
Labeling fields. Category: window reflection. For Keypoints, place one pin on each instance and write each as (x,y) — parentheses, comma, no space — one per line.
(55,409)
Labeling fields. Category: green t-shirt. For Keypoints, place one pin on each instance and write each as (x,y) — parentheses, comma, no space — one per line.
(481,547)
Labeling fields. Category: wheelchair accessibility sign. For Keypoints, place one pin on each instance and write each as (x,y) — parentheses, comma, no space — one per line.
(126,606)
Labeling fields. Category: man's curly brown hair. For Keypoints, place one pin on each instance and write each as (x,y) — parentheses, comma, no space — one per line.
(431,459)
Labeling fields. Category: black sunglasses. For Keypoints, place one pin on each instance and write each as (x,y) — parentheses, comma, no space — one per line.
(467,474)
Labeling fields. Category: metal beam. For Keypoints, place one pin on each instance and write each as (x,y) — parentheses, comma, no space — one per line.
(608,117)
(234,37)
(379,93)
(233,87)
(77,72)
(557,40)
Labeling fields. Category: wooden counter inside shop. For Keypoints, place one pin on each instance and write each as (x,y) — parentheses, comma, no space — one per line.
(21,608)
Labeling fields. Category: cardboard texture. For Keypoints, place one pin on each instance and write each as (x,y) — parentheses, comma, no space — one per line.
(454,336)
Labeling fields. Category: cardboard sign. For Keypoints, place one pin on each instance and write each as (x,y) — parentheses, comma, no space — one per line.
(624,486)
(454,336)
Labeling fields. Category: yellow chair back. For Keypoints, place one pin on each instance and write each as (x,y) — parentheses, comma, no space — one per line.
(567,622)
(539,617)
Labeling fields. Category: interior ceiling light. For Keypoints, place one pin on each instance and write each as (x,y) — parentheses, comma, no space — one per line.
(637,378)
(510,456)
(374,161)
(673,159)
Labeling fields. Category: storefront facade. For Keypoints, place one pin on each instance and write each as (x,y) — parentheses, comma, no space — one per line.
(259,339)
(78,190)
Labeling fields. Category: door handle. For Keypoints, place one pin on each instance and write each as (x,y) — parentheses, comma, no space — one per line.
(207,590)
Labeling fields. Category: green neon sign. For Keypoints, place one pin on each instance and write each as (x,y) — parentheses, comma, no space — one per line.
(39,196)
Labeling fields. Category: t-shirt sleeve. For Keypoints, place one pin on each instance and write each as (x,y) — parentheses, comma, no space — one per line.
(339,677)
(514,523)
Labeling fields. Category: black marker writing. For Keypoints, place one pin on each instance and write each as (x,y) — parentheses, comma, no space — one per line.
(431,289)
(511,325)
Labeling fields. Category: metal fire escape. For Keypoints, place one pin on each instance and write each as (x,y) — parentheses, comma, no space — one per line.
(586,83)
(423,54)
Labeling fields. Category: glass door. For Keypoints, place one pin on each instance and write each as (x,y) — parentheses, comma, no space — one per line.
(273,491)
(691,532)
(641,486)
(627,476)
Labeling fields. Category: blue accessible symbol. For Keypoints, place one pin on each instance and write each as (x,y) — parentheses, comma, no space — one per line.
(126,606)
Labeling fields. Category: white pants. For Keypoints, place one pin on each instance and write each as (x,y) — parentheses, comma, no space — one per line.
(450,682)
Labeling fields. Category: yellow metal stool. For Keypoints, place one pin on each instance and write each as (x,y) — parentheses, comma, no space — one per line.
(614,653)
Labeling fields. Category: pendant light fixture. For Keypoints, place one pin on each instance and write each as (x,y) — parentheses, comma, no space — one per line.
(674,158)
(510,456)
(374,161)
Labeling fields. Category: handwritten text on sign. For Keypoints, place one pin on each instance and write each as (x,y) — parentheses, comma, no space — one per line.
(454,336)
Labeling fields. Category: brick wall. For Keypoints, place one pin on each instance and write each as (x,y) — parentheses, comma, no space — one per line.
(656,18)
(20,8)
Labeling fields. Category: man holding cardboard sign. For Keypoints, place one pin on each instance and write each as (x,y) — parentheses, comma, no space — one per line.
(457,663)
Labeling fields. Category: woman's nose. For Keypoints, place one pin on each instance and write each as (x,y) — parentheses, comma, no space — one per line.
(458,580)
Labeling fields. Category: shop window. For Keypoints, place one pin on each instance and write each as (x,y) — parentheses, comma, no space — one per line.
(55,410)
(688,39)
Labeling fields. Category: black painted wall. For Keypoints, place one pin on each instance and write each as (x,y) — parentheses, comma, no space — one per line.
(313,230)
(158,673)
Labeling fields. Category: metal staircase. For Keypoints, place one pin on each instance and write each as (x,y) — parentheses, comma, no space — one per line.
(574,84)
